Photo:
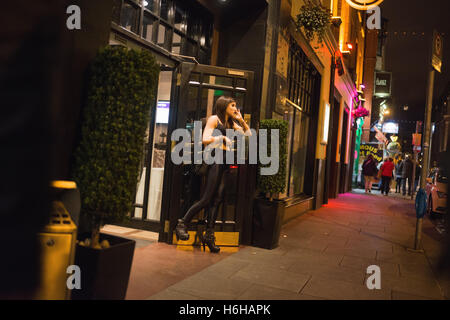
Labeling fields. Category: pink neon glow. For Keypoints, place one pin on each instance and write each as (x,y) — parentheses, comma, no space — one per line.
(362,86)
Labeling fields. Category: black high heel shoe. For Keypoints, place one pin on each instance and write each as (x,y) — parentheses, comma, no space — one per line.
(209,240)
(181,231)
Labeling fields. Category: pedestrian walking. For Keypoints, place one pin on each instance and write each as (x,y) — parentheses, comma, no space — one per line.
(417,175)
(406,173)
(369,170)
(398,175)
(386,169)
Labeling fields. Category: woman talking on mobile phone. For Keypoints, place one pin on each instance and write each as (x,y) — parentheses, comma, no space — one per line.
(226,116)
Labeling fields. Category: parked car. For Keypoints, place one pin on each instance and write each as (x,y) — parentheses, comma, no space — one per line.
(437,191)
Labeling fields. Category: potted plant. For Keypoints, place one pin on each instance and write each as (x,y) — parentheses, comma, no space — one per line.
(122,85)
(314,19)
(268,212)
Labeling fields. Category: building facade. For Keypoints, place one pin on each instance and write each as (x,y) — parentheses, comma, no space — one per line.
(251,50)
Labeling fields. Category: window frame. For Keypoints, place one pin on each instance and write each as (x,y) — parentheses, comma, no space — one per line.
(203,27)
(302,82)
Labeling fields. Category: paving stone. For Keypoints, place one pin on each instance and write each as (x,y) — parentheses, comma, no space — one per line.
(341,290)
(311,256)
(419,271)
(272,277)
(227,267)
(260,292)
(424,288)
(363,253)
(404,257)
(398,295)
(374,244)
(170,294)
(363,263)
(329,272)
(212,287)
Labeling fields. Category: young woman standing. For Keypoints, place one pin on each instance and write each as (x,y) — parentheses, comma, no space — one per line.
(226,116)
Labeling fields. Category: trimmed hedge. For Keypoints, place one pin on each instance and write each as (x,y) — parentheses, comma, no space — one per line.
(121,89)
(275,183)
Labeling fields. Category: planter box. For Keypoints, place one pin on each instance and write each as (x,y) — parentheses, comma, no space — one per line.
(267,220)
(104,273)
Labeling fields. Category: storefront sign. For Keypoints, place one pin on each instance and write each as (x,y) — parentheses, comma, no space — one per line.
(162,111)
(390,127)
(416,139)
(436,57)
(364,4)
(383,84)
(366,149)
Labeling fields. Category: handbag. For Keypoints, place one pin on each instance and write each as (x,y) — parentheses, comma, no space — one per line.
(200,169)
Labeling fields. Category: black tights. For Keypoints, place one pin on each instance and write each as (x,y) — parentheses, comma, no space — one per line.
(212,197)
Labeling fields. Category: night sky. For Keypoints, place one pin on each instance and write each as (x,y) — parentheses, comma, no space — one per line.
(407,55)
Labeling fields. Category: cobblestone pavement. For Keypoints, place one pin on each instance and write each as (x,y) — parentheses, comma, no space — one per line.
(324,254)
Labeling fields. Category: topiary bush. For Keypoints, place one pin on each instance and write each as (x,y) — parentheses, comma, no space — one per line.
(276,183)
(121,90)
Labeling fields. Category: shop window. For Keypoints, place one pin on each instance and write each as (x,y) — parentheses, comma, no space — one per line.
(225,81)
(165,11)
(151,5)
(148,27)
(301,80)
(204,56)
(193,27)
(117,6)
(176,43)
(129,17)
(161,35)
(180,18)
(191,48)
(158,149)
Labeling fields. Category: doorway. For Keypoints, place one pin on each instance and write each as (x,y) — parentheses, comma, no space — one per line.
(195,89)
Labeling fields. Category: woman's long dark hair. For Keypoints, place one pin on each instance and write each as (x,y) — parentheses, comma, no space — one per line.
(220,109)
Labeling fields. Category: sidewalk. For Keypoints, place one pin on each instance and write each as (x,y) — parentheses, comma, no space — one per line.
(323,254)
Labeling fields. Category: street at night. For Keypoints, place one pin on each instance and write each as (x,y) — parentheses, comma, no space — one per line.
(231,157)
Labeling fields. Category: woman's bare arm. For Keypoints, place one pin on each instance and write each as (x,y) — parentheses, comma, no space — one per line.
(211,124)
(242,126)
(208,138)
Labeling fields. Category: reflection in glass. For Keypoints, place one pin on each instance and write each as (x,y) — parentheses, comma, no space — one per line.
(161,34)
(176,43)
(158,149)
(148,24)
(150,5)
(180,18)
(117,4)
(165,7)
(226,81)
(191,49)
(193,27)
(129,17)
(298,153)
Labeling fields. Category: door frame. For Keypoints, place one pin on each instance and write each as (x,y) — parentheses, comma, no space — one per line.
(177,115)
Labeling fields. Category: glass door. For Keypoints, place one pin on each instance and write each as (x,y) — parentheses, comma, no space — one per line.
(151,177)
(196,91)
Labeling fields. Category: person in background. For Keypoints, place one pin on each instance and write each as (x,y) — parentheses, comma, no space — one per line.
(434,167)
(386,169)
(406,172)
(369,169)
(417,175)
(398,175)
